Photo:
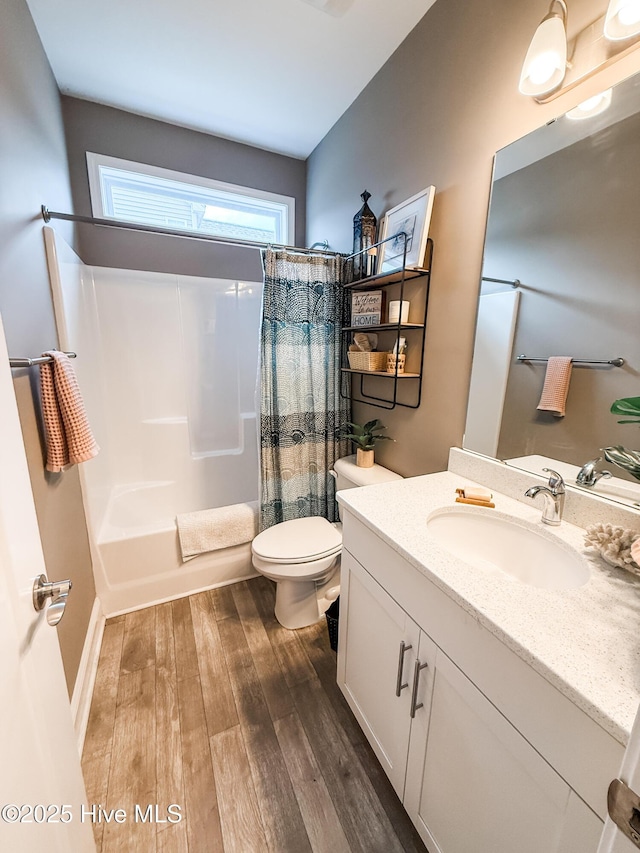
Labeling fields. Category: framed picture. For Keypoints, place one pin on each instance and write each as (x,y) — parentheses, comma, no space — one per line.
(412,218)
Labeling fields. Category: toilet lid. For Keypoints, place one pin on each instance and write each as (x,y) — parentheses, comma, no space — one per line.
(298,540)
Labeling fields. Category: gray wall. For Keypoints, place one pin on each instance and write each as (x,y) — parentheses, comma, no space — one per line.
(435,114)
(104,130)
(567,227)
(33,170)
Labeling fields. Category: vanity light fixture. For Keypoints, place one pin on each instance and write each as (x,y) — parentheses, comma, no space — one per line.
(552,68)
(592,106)
(622,19)
(545,64)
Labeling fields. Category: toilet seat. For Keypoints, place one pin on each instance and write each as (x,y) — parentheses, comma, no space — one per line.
(301,561)
(311,570)
(296,542)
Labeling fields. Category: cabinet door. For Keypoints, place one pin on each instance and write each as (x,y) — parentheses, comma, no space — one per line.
(477,784)
(582,828)
(371,665)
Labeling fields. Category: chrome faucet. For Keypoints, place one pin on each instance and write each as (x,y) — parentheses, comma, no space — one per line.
(588,476)
(553,497)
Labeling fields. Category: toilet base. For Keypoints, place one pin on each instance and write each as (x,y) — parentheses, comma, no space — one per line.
(303,603)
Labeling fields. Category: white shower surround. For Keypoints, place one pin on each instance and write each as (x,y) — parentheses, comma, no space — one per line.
(173,411)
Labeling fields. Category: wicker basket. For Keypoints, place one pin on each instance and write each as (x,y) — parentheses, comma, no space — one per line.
(395,361)
(367,360)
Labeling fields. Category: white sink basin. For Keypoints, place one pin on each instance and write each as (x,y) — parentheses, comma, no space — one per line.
(493,541)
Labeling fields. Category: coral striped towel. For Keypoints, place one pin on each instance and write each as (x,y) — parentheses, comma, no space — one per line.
(211,529)
(69,436)
(556,385)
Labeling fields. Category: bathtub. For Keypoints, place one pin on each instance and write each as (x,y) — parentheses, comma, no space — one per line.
(137,559)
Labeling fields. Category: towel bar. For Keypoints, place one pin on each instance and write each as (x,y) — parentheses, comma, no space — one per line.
(615,362)
(31,362)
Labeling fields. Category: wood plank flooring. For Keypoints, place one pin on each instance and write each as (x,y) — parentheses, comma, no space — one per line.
(208,703)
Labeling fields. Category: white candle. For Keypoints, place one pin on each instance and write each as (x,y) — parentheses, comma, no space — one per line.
(394,311)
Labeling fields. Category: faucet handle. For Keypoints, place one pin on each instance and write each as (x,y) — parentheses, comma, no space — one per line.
(556,483)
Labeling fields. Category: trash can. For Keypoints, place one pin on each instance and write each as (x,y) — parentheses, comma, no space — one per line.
(333,619)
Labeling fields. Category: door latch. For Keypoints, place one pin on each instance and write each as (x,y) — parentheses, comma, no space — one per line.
(624,810)
(57,592)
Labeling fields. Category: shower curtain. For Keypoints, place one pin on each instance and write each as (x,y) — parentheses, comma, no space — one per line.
(302,413)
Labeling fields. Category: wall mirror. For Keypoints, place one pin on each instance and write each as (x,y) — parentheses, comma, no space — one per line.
(561,277)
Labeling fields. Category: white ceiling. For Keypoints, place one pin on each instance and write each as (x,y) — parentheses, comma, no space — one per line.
(272,73)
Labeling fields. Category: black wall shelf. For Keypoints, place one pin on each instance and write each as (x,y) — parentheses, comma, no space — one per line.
(368,388)
(383,327)
(383,279)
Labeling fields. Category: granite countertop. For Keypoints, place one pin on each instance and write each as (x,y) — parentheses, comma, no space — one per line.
(585,641)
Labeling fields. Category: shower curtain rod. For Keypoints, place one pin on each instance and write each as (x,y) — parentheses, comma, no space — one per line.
(513,282)
(48,215)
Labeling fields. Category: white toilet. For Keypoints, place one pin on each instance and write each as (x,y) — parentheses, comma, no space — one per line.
(303,555)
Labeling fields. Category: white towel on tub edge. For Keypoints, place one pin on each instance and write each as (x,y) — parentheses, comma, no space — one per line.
(212,529)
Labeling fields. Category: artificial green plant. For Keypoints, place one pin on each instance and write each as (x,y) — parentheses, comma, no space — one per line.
(365,436)
(629,460)
(629,407)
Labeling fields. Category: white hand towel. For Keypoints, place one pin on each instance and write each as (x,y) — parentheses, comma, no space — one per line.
(211,529)
(556,385)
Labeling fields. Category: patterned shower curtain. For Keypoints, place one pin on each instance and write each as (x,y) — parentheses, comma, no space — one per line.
(302,413)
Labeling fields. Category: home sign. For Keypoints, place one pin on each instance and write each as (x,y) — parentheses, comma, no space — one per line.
(367,308)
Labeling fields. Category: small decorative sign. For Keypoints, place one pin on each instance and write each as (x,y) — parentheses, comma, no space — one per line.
(367,308)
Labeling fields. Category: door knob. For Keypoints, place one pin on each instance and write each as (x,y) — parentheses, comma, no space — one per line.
(57,592)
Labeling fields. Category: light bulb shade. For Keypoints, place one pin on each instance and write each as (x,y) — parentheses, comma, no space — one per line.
(592,106)
(622,19)
(546,61)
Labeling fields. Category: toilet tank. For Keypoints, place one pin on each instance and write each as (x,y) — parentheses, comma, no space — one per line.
(348,475)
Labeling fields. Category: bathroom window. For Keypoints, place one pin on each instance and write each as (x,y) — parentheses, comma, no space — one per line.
(148,195)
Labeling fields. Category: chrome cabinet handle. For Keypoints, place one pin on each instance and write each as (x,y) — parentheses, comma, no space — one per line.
(58,592)
(414,694)
(399,685)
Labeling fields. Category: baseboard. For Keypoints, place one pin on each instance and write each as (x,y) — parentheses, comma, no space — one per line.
(245,577)
(86,677)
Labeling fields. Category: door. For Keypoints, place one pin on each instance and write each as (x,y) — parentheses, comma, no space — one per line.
(376,658)
(613,840)
(41,785)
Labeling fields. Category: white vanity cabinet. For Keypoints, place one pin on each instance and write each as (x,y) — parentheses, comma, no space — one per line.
(492,762)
